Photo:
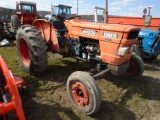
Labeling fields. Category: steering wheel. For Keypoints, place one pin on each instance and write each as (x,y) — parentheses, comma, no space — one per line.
(72,17)
(54,17)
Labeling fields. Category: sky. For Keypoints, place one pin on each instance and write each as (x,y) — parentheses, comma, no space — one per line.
(86,7)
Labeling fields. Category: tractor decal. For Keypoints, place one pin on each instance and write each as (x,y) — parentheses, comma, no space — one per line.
(110,35)
(90,32)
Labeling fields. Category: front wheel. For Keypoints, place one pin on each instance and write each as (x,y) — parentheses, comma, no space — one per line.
(136,67)
(138,51)
(84,92)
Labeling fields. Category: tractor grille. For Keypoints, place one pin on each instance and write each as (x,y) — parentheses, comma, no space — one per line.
(133,34)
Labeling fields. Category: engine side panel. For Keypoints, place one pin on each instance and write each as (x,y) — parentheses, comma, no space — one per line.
(110,36)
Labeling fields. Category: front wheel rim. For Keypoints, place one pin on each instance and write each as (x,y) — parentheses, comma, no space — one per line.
(132,68)
(80,93)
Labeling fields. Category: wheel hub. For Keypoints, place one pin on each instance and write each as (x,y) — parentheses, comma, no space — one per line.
(80,94)
(132,68)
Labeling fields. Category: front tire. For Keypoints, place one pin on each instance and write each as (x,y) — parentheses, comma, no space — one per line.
(135,68)
(138,51)
(32,50)
(84,92)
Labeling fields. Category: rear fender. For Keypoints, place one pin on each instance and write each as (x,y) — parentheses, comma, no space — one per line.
(48,33)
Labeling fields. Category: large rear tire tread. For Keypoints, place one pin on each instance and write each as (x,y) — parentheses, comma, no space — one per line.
(15,23)
(92,90)
(37,48)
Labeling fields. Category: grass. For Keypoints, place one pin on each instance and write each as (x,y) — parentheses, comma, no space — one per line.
(122,99)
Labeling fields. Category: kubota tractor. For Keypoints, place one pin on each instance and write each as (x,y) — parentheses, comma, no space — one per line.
(108,46)
(9,95)
(25,14)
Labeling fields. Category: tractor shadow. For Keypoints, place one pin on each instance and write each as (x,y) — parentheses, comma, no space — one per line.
(46,104)
(47,96)
(146,86)
(152,65)
(111,111)
(54,103)
(143,88)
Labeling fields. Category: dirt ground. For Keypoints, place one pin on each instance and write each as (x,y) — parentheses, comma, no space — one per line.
(122,99)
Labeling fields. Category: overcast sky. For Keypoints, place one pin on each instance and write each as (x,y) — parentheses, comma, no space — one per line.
(116,7)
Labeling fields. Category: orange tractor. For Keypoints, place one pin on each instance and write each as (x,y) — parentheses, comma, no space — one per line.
(108,46)
(9,95)
(25,14)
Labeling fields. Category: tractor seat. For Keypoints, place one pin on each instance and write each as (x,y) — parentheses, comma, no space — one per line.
(59,26)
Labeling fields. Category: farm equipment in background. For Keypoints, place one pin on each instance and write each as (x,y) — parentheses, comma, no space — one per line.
(149,43)
(1,30)
(26,13)
(108,46)
(6,36)
(10,100)
(56,12)
(148,40)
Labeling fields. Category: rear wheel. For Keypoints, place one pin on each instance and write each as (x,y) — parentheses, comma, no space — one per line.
(149,57)
(84,92)
(15,23)
(32,50)
(135,68)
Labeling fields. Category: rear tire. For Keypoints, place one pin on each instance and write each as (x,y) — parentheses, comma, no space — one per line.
(32,50)
(84,92)
(149,57)
(15,23)
(135,68)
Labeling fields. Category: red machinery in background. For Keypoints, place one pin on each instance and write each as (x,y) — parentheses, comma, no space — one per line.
(9,95)
(26,13)
(137,21)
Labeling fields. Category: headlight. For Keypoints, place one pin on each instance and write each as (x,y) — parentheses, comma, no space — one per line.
(123,50)
(152,35)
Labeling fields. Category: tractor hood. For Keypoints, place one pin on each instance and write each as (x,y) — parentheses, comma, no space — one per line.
(111,38)
(148,33)
(99,26)
(81,27)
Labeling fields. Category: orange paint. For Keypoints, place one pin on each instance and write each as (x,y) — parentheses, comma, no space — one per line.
(108,46)
(120,36)
(137,21)
(16,103)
